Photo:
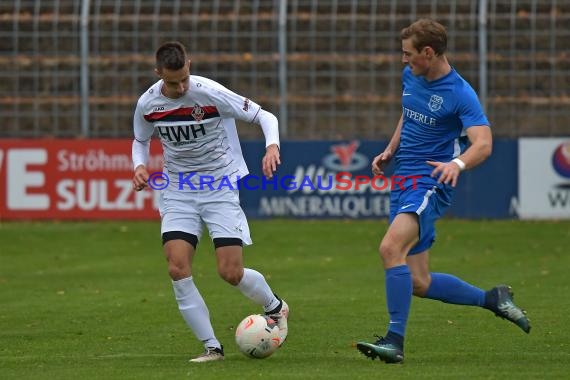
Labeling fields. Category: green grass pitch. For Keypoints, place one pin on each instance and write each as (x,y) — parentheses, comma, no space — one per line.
(94,301)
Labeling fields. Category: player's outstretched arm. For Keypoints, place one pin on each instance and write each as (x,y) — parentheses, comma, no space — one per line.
(270,127)
(481,147)
(380,161)
(140,153)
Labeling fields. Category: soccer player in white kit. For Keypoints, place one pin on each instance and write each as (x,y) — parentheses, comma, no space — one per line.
(194,117)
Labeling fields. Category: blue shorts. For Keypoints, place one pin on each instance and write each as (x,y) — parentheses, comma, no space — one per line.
(426,198)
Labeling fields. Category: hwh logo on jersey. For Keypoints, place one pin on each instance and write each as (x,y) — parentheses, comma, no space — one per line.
(182,132)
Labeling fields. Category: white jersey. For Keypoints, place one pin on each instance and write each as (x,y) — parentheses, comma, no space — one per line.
(197,130)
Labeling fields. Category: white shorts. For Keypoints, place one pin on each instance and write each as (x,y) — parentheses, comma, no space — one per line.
(219,210)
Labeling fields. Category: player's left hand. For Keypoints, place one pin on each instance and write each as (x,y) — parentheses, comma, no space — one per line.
(447,172)
(270,160)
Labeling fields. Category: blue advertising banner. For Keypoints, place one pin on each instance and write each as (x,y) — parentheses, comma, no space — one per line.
(324,179)
(491,189)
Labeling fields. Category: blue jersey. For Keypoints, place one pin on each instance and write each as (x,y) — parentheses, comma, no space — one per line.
(434,116)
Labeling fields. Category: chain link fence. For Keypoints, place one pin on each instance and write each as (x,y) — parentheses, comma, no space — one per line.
(329,70)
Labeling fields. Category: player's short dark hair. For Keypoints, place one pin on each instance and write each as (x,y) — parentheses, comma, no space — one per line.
(171,56)
(426,32)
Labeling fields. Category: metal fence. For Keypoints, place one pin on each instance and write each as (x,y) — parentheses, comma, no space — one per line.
(328,69)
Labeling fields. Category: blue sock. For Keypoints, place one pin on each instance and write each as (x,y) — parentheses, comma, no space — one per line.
(450,289)
(398,297)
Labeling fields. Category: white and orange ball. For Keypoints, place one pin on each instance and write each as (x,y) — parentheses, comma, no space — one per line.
(257,336)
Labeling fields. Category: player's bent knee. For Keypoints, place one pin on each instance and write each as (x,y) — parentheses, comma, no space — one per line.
(230,266)
(389,252)
(420,286)
(178,272)
(232,276)
(420,289)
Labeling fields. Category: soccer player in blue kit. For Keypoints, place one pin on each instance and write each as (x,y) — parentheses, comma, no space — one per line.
(438,106)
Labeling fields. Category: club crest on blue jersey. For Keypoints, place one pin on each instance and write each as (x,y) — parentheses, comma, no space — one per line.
(435,102)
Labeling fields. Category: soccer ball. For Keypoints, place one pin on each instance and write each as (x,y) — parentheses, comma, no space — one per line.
(257,336)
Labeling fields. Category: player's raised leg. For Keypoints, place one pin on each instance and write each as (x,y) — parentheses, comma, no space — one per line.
(500,301)
(280,314)
(453,290)
(250,282)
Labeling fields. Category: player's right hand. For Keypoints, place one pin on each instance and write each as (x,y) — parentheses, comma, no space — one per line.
(380,162)
(140,178)
(270,160)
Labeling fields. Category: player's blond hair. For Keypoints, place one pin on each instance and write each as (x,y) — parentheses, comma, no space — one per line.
(426,32)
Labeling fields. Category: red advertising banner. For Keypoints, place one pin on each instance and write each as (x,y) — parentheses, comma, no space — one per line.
(73,179)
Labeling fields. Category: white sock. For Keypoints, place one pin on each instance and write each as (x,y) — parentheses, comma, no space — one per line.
(194,311)
(254,287)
